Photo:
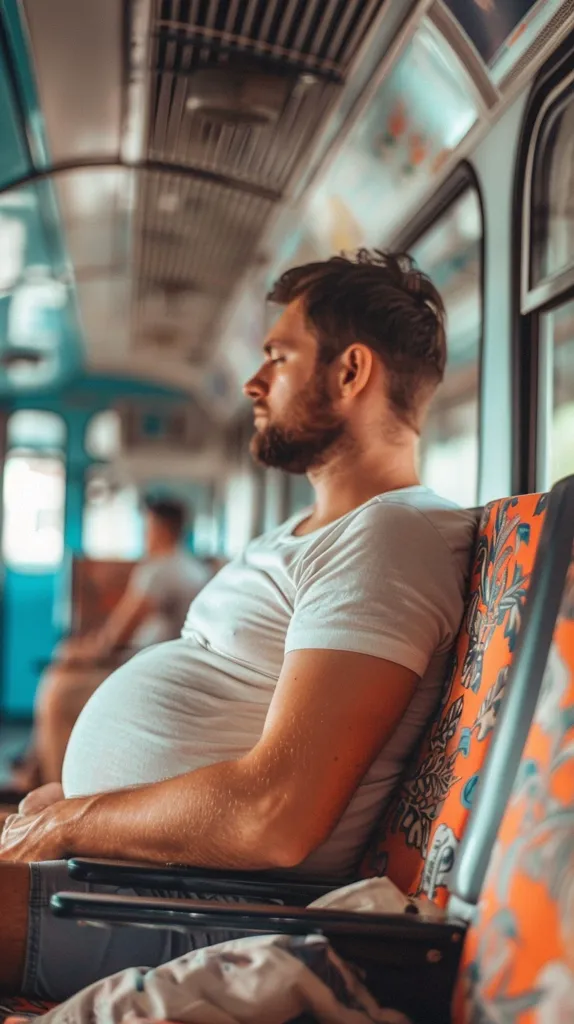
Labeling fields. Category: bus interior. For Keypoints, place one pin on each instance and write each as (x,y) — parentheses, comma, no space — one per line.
(162,162)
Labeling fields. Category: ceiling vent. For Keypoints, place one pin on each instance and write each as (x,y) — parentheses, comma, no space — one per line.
(239,96)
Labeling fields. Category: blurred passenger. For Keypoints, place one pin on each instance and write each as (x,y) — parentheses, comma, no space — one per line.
(152,610)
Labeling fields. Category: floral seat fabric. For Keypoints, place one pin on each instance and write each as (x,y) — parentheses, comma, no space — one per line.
(20,1009)
(416,841)
(518,962)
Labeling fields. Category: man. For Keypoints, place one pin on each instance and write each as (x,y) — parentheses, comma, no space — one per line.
(269,735)
(152,610)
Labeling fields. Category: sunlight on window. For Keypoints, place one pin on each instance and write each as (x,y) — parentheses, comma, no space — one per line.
(34,497)
(450,252)
(562,442)
(240,503)
(34,428)
(103,435)
(113,524)
(557,409)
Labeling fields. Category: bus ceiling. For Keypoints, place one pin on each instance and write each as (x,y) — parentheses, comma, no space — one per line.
(162,161)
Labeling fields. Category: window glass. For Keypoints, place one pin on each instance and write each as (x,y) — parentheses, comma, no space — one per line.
(416,118)
(241,502)
(113,525)
(34,498)
(557,352)
(552,227)
(103,435)
(450,252)
(300,494)
(32,428)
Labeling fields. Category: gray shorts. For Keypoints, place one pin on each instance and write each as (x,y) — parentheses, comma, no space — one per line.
(63,956)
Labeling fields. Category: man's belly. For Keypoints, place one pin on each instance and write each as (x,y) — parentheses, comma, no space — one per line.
(169,710)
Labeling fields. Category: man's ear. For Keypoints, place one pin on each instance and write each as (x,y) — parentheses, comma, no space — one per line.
(355,370)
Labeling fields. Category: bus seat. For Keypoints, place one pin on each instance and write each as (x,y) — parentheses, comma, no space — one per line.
(519,954)
(416,841)
(97,586)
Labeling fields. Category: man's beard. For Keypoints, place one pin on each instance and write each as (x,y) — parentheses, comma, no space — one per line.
(304,442)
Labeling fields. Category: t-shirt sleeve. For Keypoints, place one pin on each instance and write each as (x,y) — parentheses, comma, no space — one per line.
(387,586)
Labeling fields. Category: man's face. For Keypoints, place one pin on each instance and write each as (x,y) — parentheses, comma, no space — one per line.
(296,423)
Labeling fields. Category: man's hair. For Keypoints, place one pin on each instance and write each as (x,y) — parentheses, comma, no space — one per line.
(384,301)
(169,511)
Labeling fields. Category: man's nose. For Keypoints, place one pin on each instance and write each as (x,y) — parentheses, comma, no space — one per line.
(256,387)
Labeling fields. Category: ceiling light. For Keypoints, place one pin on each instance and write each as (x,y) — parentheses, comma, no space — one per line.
(239,96)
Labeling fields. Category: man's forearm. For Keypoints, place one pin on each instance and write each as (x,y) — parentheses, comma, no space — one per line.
(214,817)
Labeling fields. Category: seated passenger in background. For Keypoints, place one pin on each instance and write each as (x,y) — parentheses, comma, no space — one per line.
(271,734)
(152,610)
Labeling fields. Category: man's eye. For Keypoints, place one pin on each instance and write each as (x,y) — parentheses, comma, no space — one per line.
(276,360)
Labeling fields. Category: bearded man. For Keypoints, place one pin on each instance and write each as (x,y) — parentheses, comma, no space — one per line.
(272,732)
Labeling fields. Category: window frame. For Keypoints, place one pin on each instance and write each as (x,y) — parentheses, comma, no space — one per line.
(462,179)
(553,83)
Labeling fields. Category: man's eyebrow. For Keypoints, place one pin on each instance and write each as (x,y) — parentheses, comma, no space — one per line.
(274,343)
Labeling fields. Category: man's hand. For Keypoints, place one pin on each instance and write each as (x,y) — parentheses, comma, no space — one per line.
(79,649)
(38,835)
(40,798)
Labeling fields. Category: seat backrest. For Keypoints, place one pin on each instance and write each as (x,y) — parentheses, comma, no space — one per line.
(416,840)
(97,586)
(518,960)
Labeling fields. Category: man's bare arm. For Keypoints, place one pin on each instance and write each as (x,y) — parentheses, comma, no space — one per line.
(330,715)
(119,627)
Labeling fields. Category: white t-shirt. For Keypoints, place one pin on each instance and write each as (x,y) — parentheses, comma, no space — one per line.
(387,579)
(171,582)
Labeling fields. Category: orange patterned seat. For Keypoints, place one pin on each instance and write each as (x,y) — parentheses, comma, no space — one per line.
(18,1009)
(416,841)
(518,962)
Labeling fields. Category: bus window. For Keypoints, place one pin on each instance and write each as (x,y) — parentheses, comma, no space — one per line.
(33,428)
(549,203)
(103,435)
(557,420)
(552,239)
(34,491)
(113,522)
(34,497)
(450,252)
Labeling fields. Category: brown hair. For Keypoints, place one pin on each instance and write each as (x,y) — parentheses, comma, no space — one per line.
(169,511)
(384,301)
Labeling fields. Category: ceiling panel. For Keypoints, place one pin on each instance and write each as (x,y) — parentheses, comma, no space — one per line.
(77,53)
(96,208)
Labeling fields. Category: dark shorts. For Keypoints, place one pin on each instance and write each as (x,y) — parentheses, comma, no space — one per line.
(63,957)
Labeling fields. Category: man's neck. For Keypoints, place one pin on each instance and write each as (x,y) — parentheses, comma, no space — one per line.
(349,480)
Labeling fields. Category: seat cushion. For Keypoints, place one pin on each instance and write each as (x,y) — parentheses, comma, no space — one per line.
(417,838)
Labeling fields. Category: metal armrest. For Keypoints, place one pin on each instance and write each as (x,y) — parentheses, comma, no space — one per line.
(199,881)
(408,962)
(201,915)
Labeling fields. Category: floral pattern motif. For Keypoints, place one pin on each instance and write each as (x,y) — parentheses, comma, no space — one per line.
(19,1009)
(417,838)
(519,956)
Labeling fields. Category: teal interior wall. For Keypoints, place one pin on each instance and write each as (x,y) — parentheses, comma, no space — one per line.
(32,622)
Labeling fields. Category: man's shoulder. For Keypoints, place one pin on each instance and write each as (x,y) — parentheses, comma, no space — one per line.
(412,506)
